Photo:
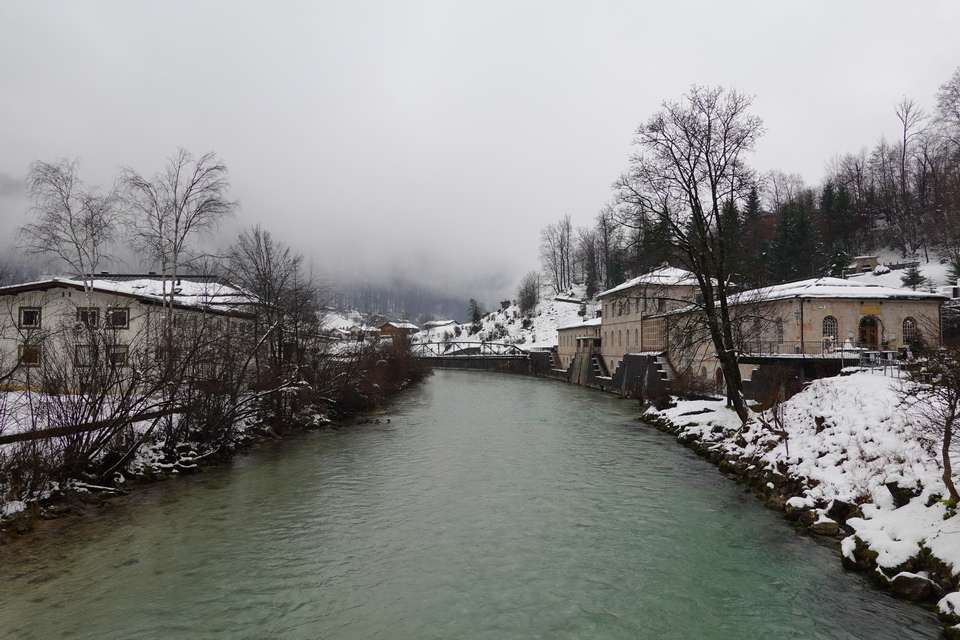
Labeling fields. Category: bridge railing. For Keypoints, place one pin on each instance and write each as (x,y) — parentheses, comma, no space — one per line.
(466,349)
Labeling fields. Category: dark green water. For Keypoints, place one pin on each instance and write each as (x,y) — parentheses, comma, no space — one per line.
(492,506)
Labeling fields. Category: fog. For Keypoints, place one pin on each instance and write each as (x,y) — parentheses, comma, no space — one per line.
(435,139)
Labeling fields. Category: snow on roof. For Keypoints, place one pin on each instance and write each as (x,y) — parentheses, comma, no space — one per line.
(663,277)
(438,323)
(830,288)
(207,295)
(401,325)
(592,322)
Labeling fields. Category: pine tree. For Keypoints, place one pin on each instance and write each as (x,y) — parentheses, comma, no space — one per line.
(839,260)
(795,251)
(953,272)
(912,278)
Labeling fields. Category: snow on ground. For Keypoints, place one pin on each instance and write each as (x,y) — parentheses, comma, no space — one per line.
(538,331)
(848,438)
(934,271)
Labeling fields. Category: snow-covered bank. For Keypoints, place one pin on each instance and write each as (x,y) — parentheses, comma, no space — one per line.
(847,457)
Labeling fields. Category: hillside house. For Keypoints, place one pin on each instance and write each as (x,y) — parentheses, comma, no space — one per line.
(395,329)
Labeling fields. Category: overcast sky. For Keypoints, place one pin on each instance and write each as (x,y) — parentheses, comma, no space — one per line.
(440,136)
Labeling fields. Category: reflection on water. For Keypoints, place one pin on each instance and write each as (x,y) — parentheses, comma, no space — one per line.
(492,506)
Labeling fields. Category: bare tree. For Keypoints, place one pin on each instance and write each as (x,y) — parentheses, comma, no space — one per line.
(948,108)
(72,222)
(288,304)
(528,292)
(781,188)
(689,163)
(934,390)
(170,210)
(556,249)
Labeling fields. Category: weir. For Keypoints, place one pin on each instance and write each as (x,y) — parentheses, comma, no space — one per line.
(637,376)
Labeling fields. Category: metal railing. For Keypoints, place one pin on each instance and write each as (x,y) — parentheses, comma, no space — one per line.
(467,349)
(849,353)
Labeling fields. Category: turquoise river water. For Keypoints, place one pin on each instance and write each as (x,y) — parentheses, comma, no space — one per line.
(490,506)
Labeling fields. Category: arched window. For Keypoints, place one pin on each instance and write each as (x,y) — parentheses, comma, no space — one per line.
(830,328)
(619,338)
(909,330)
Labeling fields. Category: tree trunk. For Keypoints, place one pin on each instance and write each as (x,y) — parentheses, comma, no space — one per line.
(947,466)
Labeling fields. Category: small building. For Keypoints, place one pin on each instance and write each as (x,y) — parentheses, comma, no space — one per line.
(582,337)
(395,329)
(864,264)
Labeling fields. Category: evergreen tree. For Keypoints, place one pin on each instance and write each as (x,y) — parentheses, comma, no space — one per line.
(795,251)
(839,260)
(753,243)
(912,278)
(476,312)
(953,272)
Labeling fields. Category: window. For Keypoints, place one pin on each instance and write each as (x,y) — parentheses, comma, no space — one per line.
(117,355)
(118,318)
(830,327)
(29,355)
(909,330)
(29,317)
(84,355)
(661,304)
(779,331)
(89,316)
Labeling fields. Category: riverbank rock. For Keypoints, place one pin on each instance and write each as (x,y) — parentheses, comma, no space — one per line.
(824,526)
(901,495)
(915,587)
(948,608)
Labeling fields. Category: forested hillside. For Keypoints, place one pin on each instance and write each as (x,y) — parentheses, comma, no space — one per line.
(897,196)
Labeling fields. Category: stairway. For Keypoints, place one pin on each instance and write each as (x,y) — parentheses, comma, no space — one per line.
(665,369)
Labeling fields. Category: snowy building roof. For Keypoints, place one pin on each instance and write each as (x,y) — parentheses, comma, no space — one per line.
(210,295)
(830,288)
(663,277)
(592,322)
(401,325)
(432,324)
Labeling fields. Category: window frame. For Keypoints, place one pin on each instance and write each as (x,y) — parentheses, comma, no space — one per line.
(24,349)
(29,309)
(910,330)
(108,323)
(85,313)
(114,349)
(830,320)
(91,352)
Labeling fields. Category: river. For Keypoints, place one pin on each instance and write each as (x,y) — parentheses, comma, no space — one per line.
(490,506)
